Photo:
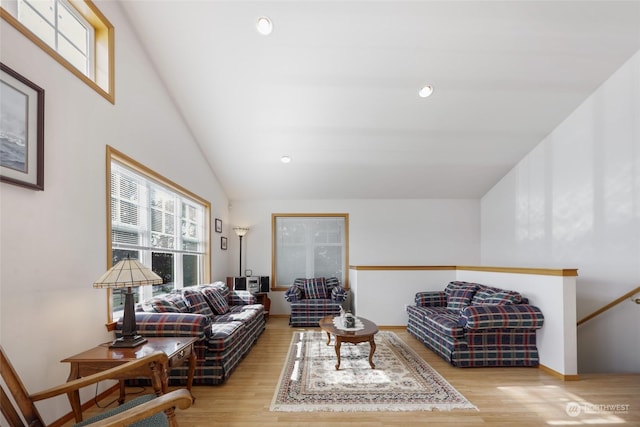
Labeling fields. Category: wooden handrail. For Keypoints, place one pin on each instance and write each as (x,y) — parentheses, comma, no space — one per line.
(610,305)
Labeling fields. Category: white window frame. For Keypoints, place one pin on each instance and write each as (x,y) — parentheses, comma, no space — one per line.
(278,219)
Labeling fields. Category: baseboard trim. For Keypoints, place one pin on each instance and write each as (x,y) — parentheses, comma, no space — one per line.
(557,374)
(86,405)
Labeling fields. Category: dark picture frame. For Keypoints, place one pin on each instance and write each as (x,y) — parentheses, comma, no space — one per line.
(223,243)
(218,225)
(21,130)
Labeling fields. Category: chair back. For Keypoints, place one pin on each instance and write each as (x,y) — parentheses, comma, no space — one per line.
(23,403)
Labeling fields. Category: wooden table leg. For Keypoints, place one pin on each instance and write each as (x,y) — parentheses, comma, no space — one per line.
(74,396)
(373,349)
(337,347)
(192,370)
(123,392)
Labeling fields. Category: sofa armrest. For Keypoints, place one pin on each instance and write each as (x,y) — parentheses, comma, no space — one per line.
(431,299)
(170,325)
(293,294)
(507,316)
(339,294)
(237,297)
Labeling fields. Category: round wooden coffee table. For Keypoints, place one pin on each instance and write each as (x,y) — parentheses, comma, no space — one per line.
(363,335)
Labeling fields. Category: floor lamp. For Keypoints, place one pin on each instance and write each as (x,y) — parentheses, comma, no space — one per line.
(128,273)
(240,231)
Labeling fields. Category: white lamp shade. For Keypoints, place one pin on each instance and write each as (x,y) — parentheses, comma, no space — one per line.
(241,231)
(127,273)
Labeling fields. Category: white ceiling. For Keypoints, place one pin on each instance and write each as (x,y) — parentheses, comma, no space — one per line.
(335,86)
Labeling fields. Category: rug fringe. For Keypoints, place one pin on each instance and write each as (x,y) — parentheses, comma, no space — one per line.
(371,408)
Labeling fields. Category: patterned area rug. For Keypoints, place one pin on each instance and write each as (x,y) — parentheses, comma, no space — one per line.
(401,381)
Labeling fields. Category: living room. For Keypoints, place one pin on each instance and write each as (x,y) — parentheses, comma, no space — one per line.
(571,202)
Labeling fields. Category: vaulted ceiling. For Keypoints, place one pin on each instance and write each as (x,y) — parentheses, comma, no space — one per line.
(335,87)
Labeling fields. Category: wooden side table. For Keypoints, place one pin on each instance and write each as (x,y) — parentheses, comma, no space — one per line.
(100,358)
(263,298)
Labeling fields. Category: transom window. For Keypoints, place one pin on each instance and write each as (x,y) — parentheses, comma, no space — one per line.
(309,245)
(162,226)
(59,25)
(73,32)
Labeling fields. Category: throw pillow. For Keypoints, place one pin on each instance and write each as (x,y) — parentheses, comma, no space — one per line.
(315,288)
(197,303)
(504,297)
(461,297)
(216,300)
(159,305)
(178,300)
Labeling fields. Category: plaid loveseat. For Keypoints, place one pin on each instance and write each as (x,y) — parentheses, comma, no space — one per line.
(313,299)
(471,325)
(227,322)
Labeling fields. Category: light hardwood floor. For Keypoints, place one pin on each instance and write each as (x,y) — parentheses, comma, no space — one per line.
(503,396)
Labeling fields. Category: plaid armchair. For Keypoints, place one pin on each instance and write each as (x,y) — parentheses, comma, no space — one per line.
(313,299)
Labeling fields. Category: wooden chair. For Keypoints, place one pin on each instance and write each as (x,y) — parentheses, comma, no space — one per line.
(149,410)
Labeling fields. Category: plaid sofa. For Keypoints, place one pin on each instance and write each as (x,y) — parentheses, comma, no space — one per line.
(226,322)
(472,325)
(313,299)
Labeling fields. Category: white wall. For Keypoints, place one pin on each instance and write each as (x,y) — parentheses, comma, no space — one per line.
(555,296)
(381,232)
(574,202)
(53,242)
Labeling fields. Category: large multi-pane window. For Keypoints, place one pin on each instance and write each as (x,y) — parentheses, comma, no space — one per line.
(163,228)
(309,245)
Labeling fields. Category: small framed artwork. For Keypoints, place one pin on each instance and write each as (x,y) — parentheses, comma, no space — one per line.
(223,243)
(218,225)
(21,130)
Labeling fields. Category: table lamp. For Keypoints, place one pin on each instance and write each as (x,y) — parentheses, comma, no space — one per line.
(128,273)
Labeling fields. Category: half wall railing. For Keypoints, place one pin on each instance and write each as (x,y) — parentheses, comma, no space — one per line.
(611,305)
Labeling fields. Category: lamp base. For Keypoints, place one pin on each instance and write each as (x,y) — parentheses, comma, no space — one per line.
(129,342)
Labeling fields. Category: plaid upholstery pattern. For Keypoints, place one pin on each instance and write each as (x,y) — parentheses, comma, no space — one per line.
(223,342)
(504,297)
(313,299)
(308,312)
(315,288)
(197,302)
(155,420)
(514,316)
(241,298)
(431,299)
(332,283)
(217,301)
(172,302)
(460,297)
(169,325)
(339,294)
(294,293)
(498,328)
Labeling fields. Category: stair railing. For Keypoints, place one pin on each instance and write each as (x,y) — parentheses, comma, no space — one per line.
(611,305)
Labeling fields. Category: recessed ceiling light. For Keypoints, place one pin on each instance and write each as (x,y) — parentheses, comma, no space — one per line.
(285,159)
(264,26)
(425,91)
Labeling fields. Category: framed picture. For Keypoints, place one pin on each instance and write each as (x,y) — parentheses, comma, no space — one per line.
(21,130)
(223,243)
(218,225)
